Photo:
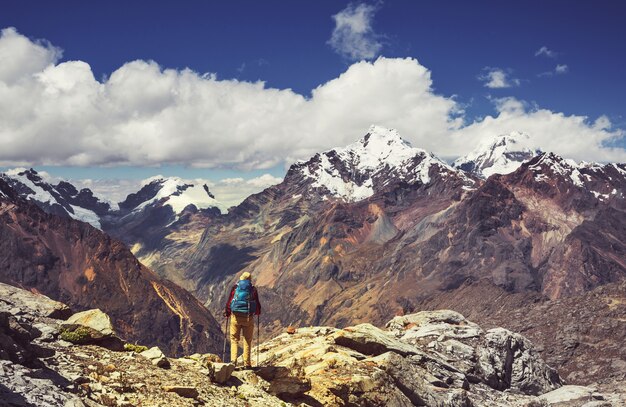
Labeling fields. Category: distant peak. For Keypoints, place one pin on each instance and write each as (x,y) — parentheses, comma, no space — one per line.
(512,138)
(502,154)
(384,135)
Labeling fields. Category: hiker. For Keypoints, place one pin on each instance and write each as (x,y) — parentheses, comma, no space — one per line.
(243,303)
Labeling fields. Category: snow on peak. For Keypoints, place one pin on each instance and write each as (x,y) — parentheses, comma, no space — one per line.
(501,155)
(565,167)
(38,187)
(179,193)
(380,146)
(354,172)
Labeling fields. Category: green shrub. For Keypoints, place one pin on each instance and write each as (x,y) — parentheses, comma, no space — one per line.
(133,347)
(79,335)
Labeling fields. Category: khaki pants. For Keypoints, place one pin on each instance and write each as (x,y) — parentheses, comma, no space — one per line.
(240,323)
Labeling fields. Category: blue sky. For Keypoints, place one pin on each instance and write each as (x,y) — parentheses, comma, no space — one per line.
(284,43)
(463,46)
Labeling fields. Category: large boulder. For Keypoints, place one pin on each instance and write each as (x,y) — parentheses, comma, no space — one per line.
(509,360)
(94,319)
(91,327)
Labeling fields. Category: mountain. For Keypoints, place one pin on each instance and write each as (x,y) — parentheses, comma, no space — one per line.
(172,192)
(374,163)
(502,155)
(165,210)
(61,199)
(377,228)
(73,262)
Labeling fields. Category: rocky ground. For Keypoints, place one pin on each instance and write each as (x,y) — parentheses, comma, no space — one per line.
(433,358)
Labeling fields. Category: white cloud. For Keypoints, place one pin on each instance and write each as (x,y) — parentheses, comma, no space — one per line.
(115,190)
(231,191)
(546,52)
(496,78)
(264,181)
(561,69)
(21,57)
(570,136)
(353,36)
(143,115)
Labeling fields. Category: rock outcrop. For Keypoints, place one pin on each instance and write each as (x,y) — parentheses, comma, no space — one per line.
(426,359)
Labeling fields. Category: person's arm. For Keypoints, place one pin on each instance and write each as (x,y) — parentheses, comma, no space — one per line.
(255,296)
(230,299)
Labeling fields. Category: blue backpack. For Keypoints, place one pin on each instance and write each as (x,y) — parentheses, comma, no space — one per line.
(242,302)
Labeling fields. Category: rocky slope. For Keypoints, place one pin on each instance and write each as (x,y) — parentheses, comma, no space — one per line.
(582,335)
(75,263)
(429,358)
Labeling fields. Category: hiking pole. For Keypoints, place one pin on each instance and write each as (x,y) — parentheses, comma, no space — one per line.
(225,333)
(258,328)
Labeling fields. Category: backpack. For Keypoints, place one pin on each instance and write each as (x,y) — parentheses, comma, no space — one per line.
(242,302)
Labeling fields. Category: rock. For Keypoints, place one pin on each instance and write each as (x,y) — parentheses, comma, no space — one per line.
(442,324)
(94,319)
(597,403)
(283,381)
(183,391)
(91,327)
(157,357)
(74,402)
(221,372)
(508,360)
(417,384)
(369,340)
(568,393)
(35,304)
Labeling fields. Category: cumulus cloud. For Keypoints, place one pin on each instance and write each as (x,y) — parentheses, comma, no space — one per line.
(576,137)
(496,78)
(545,52)
(353,36)
(22,57)
(231,191)
(57,113)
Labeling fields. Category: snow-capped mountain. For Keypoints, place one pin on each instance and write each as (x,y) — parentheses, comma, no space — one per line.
(359,170)
(502,155)
(60,199)
(173,192)
(561,176)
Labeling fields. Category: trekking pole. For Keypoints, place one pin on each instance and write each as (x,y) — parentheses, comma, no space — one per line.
(225,334)
(258,328)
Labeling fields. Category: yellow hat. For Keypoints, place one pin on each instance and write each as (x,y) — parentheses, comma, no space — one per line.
(245,276)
